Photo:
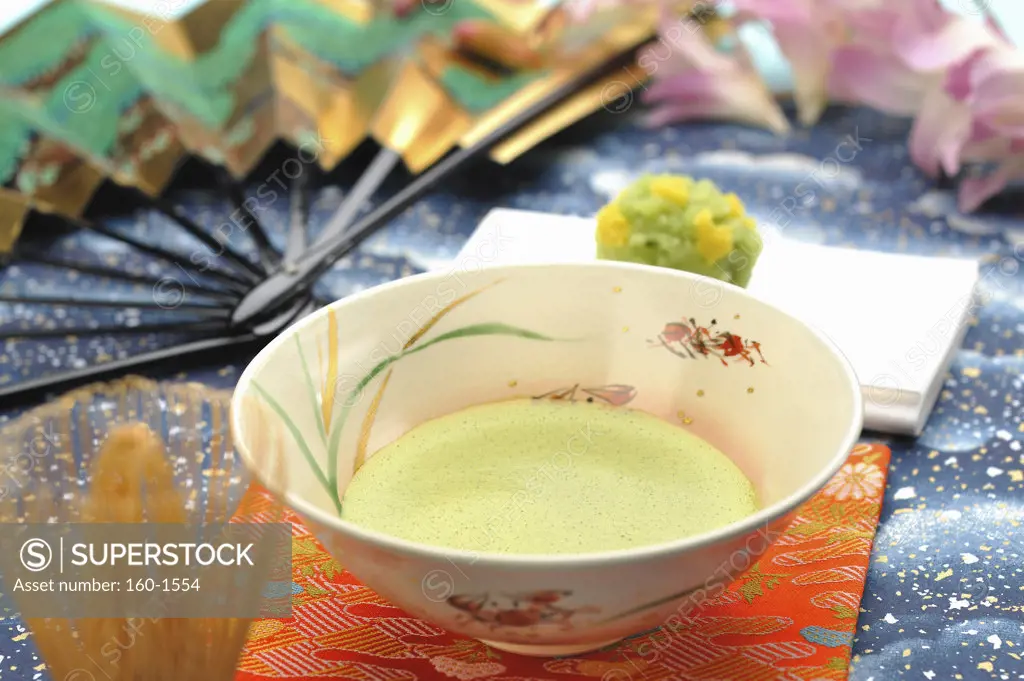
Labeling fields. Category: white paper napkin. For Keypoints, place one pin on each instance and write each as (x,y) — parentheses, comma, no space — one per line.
(898,318)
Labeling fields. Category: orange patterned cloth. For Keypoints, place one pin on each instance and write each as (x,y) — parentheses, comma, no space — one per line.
(791,617)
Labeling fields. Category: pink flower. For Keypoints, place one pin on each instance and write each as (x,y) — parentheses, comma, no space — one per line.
(959,78)
(694,80)
(975,116)
(944,123)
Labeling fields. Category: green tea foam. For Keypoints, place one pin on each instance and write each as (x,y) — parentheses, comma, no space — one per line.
(540,476)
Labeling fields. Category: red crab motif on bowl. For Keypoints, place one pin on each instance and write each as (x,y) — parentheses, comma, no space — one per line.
(688,339)
(518,610)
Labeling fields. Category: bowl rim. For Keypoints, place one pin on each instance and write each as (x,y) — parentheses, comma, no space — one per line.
(748,525)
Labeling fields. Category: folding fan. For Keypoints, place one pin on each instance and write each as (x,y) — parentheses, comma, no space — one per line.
(447,94)
(43,169)
(427,113)
(41,173)
(218,68)
(269,72)
(48,175)
(335,61)
(206,67)
(67,83)
(231,57)
(74,120)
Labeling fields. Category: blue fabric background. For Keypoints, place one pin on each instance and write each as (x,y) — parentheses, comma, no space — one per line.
(945,594)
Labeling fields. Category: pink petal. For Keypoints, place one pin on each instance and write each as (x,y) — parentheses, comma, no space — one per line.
(997,72)
(778,12)
(693,95)
(872,27)
(981,132)
(807,32)
(996,28)
(938,135)
(1005,115)
(985,146)
(998,61)
(674,112)
(930,39)
(976,191)
(960,77)
(856,6)
(878,80)
(998,91)
(809,54)
(671,113)
(689,85)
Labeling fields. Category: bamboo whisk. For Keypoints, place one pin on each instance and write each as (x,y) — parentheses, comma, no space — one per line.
(133,482)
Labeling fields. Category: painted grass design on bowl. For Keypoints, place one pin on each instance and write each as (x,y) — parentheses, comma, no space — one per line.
(324,403)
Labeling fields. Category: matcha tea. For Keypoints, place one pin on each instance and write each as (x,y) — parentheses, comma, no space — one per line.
(540,476)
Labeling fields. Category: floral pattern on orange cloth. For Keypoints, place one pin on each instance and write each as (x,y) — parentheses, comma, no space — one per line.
(790,617)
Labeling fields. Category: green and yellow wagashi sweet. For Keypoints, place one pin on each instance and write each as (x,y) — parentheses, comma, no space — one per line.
(681,223)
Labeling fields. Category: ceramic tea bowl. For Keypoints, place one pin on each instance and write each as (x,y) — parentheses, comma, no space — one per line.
(770,392)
